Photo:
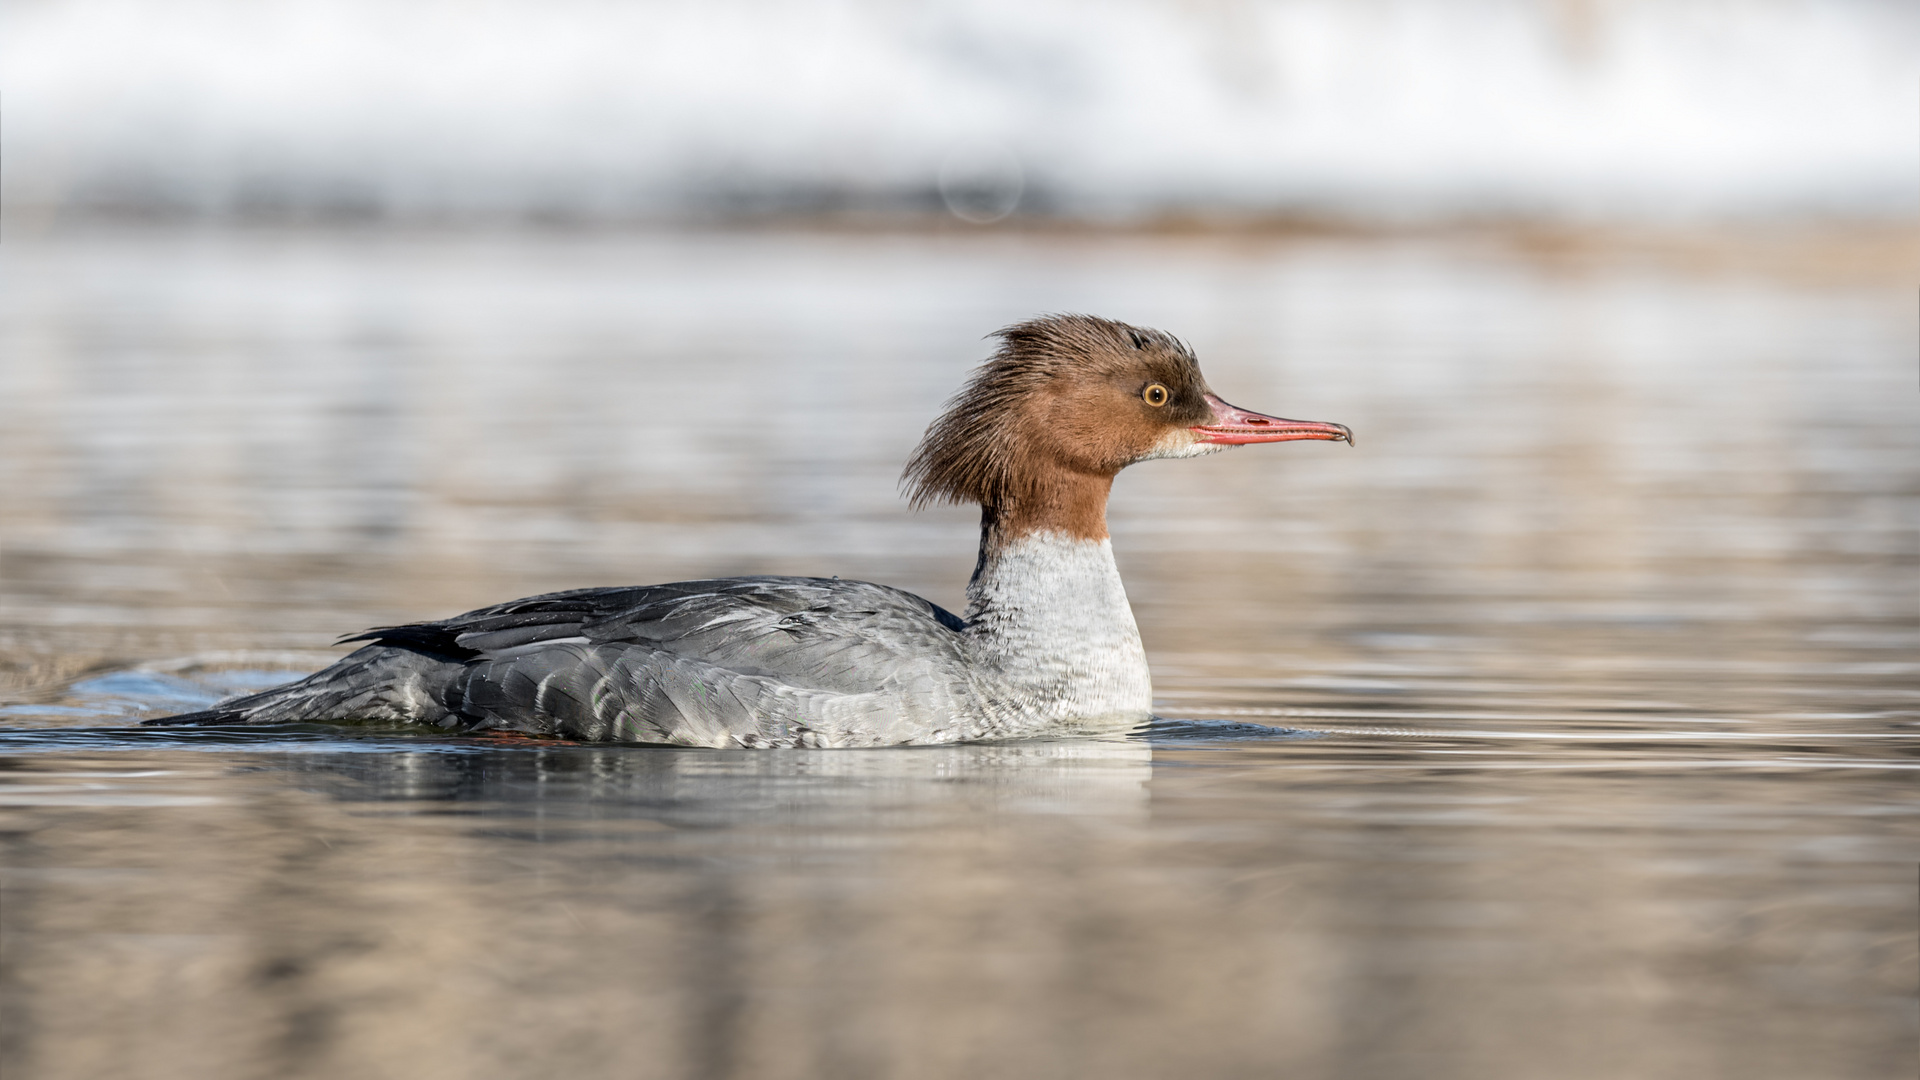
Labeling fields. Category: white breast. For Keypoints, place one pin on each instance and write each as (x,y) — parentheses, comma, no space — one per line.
(1049,618)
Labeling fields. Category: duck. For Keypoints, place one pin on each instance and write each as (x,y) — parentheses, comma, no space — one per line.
(1048,646)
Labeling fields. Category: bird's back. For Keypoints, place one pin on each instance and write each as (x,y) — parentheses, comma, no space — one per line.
(755,661)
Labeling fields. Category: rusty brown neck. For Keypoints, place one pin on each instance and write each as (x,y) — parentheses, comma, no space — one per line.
(1073,504)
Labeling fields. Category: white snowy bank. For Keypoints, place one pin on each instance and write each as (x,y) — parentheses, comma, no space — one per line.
(1092,109)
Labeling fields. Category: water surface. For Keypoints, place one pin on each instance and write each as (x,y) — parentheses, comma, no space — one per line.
(1565,726)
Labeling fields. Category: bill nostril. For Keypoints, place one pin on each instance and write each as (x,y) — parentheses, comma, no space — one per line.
(1258,420)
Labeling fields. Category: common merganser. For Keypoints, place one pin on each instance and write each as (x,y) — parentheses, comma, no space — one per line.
(1048,645)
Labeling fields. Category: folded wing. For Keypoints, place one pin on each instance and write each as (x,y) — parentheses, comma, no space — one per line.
(765,661)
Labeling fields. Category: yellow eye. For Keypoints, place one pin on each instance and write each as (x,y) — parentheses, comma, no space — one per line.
(1155,395)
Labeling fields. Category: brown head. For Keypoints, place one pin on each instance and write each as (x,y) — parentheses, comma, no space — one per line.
(1064,404)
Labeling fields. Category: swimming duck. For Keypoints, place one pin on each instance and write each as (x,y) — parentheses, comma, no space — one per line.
(1048,645)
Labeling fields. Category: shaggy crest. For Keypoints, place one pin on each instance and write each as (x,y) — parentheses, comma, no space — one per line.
(970,453)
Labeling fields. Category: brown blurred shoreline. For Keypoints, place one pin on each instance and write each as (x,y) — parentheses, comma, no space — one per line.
(1806,250)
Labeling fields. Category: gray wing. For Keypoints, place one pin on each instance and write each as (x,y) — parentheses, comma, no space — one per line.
(761,661)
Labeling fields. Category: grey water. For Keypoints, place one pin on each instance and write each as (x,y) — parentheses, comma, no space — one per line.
(1565,726)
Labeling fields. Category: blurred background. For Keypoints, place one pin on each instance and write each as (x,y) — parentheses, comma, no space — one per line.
(1141,110)
(324,314)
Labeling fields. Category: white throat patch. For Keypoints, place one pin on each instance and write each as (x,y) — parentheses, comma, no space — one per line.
(1181,443)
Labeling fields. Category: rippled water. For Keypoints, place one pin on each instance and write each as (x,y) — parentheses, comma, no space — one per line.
(1565,726)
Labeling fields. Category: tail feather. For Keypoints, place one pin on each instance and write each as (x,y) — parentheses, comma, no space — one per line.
(205,717)
(374,684)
